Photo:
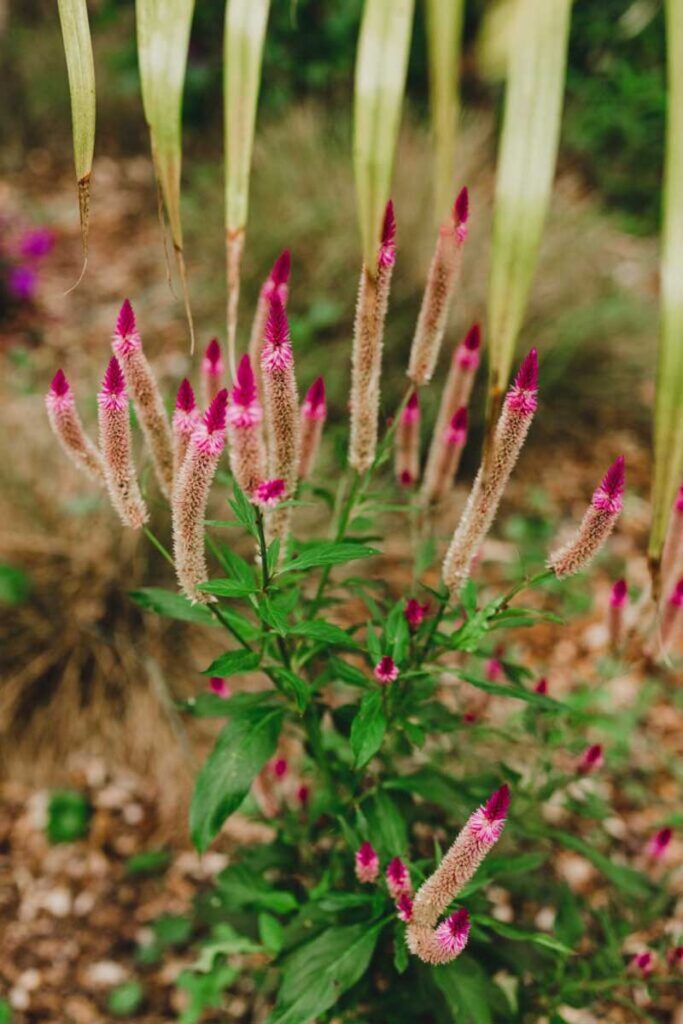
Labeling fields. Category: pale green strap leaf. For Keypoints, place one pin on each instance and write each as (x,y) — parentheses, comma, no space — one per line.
(381,66)
(444,41)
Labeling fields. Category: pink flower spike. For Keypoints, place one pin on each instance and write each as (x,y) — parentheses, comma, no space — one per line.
(269,493)
(213,359)
(453,933)
(456,432)
(643,963)
(541,686)
(487,823)
(277,348)
(619,595)
(398,879)
(68,429)
(113,392)
(314,407)
(220,687)
(245,408)
(591,760)
(185,400)
(461,212)
(387,247)
(386,670)
(658,845)
(467,353)
(608,496)
(282,267)
(126,338)
(367,863)
(522,396)
(186,415)
(59,386)
(404,908)
(279,767)
(411,413)
(415,613)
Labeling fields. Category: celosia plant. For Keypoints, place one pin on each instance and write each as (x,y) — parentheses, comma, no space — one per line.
(347,732)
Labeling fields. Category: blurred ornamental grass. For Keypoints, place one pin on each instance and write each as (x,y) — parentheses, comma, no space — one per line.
(444,41)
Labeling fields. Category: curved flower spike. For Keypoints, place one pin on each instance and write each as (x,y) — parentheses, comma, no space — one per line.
(596,526)
(186,419)
(368,337)
(439,945)
(313,416)
(407,444)
(245,415)
(144,390)
(489,485)
(67,426)
(190,497)
(441,280)
(116,447)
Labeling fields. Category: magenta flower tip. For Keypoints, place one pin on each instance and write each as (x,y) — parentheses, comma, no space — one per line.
(404,908)
(185,400)
(591,759)
(367,863)
(398,878)
(411,413)
(213,362)
(522,395)
(541,686)
(386,670)
(456,431)
(679,499)
(219,686)
(461,207)
(659,843)
(498,804)
(244,391)
(472,339)
(460,418)
(281,268)
(644,962)
(215,415)
(608,496)
(453,933)
(269,493)
(314,406)
(619,594)
(415,613)
(303,795)
(277,327)
(676,598)
(387,246)
(125,321)
(59,385)
(279,767)
(113,383)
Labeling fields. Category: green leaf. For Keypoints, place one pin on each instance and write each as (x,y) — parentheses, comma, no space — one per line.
(14,585)
(229,588)
(368,728)
(241,887)
(325,632)
(294,687)
(245,513)
(514,692)
(5,1012)
(569,923)
(509,931)
(400,949)
(68,816)
(270,932)
(319,972)
(247,631)
(273,615)
(237,566)
(465,987)
(242,748)
(172,605)
(374,644)
(224,941)
(625,878)
(149,862)
(233,662)
(388,824)
(349,673)
(327,553)
(125,999)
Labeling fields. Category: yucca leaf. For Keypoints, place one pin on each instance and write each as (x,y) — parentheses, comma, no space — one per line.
(668,426)
(537,54)
(245,30)
(381,65)
(73,17)
(163,31)
(444,38)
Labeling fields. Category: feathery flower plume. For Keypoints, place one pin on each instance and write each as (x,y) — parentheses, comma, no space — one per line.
(441,279)
(116,448)
(144,390)
(658,844)
(617,606)
(439,471)
(591,760)
(276,284)
(213,370)
(67,426)
(596,526)
(282,412)
(414,613)
(491,480)
(313,415)
(404,908)
(386,670)
(269,493)
(407,443)
(672,616)
(438,945)
(398,879)
(220,687)
(366,863)
(672,557)
(245,415)
(191,494)
(366,359)
(185,421)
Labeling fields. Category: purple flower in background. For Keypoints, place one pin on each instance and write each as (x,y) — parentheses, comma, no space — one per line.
(22,283)
(36,243)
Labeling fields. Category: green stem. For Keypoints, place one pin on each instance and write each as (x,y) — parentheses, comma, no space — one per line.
(154,540)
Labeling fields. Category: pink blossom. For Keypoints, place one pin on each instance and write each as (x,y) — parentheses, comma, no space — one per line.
(116,448)
(494,669)
(22,283)
(407,443)
(415,613)
(541,686)
(456,432)
(591,760)
(269,493)
(658,844)
(404,907)
(245,408)
(596,525)
(643,963)
(386,670)
(126,338)
(220,687)
(467,353)
(279,767)
(619,595)
(488,821)
(523,395)
(608,496)
(213,371)
(277,349)
(276,282)
(366,863)
(461,212)
(314,407)
(453,933)
(303,795)
(398,878)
